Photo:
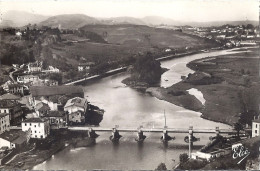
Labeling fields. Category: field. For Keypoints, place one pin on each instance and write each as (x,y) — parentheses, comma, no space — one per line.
(123,43)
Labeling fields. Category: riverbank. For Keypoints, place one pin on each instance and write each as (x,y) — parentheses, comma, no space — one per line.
(45,149)
(228,162)
(227,83)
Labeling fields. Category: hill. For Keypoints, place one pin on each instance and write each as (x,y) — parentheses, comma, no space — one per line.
(144,36)
(156,20)
(69,21)
(20,18)
(122,20)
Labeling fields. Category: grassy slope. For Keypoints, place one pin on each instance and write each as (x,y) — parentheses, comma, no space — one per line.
(223,102)
(125,41)
(145,36)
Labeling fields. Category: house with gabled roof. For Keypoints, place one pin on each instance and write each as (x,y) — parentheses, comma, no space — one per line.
(13,139)
(54,95)
(76,104)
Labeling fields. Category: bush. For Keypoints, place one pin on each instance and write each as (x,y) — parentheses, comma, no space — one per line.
(183,157)
(161,166)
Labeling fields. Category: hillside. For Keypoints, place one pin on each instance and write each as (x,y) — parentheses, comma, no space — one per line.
(145,37)
(69,21)
(20,18)
(122,20)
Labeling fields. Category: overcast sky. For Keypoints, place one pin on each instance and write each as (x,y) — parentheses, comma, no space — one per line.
(185,10)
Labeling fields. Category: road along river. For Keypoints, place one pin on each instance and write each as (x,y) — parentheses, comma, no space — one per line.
(127,107)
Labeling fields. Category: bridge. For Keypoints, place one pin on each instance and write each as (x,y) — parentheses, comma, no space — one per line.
(164,131)
(154,130)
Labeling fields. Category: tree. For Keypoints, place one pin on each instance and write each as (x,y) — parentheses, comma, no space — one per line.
(147,69)
(161,166)
(183,157)
(56,77)
(238,127)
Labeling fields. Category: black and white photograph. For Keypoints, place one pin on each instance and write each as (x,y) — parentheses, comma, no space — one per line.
(129,85)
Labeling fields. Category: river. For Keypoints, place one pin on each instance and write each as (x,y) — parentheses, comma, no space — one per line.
(127,107)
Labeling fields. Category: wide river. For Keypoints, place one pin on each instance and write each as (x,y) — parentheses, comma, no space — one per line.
(127,107)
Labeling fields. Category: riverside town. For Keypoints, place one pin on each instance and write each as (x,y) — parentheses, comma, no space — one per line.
(95,85)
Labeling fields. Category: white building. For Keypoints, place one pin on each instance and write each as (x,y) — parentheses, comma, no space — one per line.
(40,128)
(76,104)
(256,128)
(27,78)
(51,69)
(4,122)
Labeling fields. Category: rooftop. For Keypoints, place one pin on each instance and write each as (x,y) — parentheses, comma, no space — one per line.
(256,120)
(14,136)
(42,106)
(35,120)
(7,104)
(76,101)
(55,114)
(15,85)
(3,114)
(55,90)
(9,96)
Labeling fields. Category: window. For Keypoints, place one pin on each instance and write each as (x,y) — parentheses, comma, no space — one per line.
(256,131)
(25,124)
(35,126)
(35,136)
(35,131)
(30,124)
(256,125)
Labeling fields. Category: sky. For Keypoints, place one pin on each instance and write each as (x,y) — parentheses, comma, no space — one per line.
(180,10)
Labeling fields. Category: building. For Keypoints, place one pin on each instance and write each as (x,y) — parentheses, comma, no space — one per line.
(76,104)
(27,78)
(56,118)
(16,89)
(14,109)
(4,122)
(39,128)
(13,139)
(51,69)
(35,67)
(85,66)
(9,96)
(256,128)
(53,95)
(42,109)
(77,117)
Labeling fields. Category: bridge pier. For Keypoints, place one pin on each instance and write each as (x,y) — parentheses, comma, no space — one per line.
(217,134)
(92,133)
(140,136)
(165,137)
(190,140)
(115,135)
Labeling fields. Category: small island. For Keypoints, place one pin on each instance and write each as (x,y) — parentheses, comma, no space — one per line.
(145,72)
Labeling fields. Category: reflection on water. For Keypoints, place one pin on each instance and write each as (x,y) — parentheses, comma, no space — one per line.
(127,107)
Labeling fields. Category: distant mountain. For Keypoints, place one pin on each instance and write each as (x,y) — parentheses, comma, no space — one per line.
(71,21)
(74,21)
(220,23)
(20,18)
(156,20)
(123,20)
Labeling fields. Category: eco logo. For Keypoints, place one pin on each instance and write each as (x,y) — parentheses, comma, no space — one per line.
(239,152)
